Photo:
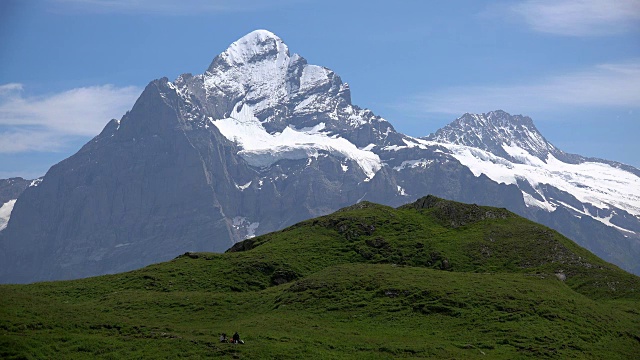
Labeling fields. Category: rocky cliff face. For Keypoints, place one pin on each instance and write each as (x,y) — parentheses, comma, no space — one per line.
(11,188)
(262,140)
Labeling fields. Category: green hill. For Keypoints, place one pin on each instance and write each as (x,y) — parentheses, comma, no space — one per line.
(432,279)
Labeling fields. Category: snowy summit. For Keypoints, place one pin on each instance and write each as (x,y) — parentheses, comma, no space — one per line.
(254,46)
(271,95)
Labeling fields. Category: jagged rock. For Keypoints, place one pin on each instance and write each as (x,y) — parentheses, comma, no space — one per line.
(456,214)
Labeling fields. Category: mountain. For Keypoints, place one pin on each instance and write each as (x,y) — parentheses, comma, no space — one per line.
(262,140)
(568,192)
(430,279)
(498,132)
(512,137)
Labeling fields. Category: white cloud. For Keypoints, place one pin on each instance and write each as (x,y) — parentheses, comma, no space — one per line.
(14,141)
(9,88)
(607,85)
(47,123)
(579,17)
(164,7)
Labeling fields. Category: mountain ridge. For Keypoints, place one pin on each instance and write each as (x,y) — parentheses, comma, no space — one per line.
(491,131)
(454,133)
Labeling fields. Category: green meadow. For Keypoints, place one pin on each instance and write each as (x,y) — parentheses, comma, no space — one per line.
(432,279)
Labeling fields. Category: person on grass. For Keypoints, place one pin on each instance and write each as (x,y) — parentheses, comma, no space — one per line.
(236,339)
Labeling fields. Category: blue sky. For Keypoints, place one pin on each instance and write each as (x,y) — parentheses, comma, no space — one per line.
(68,66)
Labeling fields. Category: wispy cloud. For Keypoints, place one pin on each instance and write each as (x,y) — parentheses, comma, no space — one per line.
(579,17)
(164,7)
(47,123)
(607,85)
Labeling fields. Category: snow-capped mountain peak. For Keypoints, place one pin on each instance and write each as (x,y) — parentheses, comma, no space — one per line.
(497,132)
(510,150)
(257,84)
(252,47)
(258,70)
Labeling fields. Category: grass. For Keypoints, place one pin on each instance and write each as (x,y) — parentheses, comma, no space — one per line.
(367,282)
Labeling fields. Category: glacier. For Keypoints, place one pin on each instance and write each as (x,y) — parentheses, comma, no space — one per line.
(261,149)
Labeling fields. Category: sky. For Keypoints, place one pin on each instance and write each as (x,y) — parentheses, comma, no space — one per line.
(69,66)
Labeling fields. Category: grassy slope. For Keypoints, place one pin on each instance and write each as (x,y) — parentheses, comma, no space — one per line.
(365,282)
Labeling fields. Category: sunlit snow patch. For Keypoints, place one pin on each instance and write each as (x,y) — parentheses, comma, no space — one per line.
(422,163)
(594,183)
(261,149)
(243,187)
(5,213)
(241,223)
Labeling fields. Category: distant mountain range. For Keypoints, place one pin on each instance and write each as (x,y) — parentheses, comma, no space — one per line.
(263,140)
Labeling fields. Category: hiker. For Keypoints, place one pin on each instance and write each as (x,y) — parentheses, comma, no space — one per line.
(223,338)
(236,339)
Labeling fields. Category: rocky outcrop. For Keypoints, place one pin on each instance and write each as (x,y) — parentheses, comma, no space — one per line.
(457,214)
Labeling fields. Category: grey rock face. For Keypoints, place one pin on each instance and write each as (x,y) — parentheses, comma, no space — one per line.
(128,197)
(165,179)
(12,188)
